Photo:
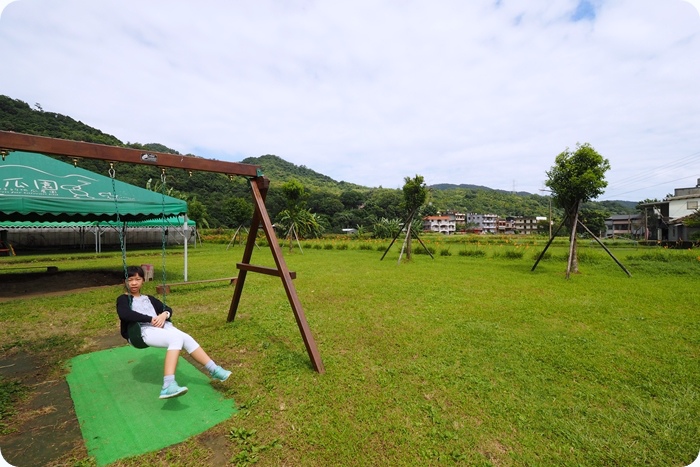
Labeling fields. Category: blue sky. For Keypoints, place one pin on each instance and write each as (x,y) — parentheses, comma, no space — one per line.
(585,11)
(482,92)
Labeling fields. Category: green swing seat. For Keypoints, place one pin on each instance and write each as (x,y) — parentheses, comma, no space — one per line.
(135,339)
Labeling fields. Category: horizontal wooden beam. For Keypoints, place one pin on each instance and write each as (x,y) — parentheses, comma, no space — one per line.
(63,147)
(264,270)
(166,287)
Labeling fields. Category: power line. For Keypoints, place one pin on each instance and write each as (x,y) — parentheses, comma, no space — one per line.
(653,174)
(617,195)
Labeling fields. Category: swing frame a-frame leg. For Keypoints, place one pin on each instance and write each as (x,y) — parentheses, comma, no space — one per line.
(259,187)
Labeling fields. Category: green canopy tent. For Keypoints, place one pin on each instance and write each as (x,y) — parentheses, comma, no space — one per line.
(38,188)
(34,187)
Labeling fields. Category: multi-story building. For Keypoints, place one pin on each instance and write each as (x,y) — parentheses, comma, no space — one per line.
(672,212)
(504,226)
(459,217)
(443,224)
(526,224)
(627,225)
(482,223)
(522,225)
(485,223)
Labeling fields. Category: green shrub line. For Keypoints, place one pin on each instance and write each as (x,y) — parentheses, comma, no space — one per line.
(649,251)
(500,248)
(588,253)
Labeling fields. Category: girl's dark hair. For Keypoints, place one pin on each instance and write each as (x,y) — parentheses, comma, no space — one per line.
(132,271)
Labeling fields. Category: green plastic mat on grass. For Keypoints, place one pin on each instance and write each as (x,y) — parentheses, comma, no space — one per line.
(115,393)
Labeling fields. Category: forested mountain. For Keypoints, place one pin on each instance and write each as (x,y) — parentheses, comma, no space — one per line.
(17,116)
(452,186)
(217,201)
(276,168)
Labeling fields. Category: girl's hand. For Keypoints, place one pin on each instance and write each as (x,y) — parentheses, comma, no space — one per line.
(159,321)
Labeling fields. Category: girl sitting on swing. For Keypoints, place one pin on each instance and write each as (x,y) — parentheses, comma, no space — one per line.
(156,330)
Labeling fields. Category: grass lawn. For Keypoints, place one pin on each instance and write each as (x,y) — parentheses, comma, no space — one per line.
(466,359)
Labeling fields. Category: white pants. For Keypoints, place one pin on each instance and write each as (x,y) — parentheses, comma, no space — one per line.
(168,337)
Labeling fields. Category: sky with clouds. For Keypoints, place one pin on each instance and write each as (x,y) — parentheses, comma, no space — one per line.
(483,92)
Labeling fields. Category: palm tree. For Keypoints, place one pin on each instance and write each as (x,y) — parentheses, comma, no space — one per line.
(299,223)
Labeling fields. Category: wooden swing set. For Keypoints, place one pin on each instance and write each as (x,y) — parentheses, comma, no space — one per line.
(259,184)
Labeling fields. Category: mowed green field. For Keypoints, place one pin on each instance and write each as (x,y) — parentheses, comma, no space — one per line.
(465,359)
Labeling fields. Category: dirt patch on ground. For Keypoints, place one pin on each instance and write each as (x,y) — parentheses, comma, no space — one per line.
(46,425)
(27,284)
(47,429)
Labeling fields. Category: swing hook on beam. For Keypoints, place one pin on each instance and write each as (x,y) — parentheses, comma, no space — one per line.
(146,157)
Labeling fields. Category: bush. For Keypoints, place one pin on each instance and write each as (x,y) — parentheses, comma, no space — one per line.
(386,228)
(547,256)
(472,253)
(514,254)
(510,254)
(419,250)
(653,256)
(588,257)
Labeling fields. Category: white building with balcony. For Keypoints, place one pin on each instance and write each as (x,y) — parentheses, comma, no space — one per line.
(443,224)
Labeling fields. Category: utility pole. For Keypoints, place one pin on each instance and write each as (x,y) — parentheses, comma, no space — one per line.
(646,225)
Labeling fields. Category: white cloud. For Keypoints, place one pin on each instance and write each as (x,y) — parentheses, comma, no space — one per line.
(370,92)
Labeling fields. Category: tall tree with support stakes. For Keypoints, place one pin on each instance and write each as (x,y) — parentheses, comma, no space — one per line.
(575,178)
(414,195)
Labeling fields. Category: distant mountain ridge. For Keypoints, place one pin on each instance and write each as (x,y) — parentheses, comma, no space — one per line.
(463,186)
(276,168)
(16,115)
(337,201)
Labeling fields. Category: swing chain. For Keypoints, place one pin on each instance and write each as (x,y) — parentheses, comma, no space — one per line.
(112,175)
(163,235)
